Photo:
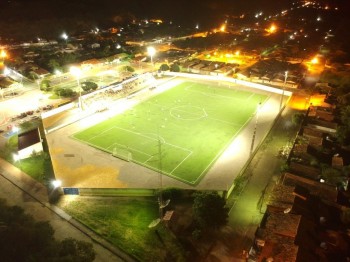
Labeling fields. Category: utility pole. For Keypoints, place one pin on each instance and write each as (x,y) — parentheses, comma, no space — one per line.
(284,86)
(255,127)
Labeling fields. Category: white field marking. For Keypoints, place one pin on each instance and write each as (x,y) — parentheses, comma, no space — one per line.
(222,150)
(104,131)
(188,87)
(157,136)
(142,135)
(195,115)
(225,122)
(215,95)
(205,112)
(199,117)
(124,147)
(148,160)
(190,152)
(181,162)
(250,96)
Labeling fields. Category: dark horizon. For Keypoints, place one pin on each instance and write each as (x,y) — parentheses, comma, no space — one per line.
(23,18)
(181,10)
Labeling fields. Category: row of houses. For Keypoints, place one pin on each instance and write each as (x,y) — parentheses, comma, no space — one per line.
(274,71)
(204,67)
(308,212)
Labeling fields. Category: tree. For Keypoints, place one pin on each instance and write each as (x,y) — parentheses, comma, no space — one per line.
(45,85)
(74,250)
(129,69)
(343,131)
(209,210)
(24,239)
(88,86)
(54,64)
(164,67)
(297,118)
(64,92)
(175,68)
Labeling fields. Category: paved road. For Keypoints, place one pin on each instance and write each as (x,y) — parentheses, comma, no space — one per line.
(21,190)
(263,171)
(247,209)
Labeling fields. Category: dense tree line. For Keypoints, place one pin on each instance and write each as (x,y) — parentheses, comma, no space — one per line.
(24,239)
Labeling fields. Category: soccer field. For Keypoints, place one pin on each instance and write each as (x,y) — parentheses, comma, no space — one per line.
(180,132)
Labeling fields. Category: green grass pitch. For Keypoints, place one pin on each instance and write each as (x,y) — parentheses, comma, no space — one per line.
(181,131)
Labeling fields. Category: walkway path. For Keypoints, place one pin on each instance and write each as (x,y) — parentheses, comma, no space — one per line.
(247,211)
(21,190)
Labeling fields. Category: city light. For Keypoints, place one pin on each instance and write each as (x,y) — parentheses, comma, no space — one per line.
(272,29)
(76,71)
(6,71)
(151,52)
(3,54)
(314,60)
(64,36)
(223,28)
(15,129)
(56,183)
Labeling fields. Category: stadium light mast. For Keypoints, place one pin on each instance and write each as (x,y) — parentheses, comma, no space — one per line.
(161,204)
(3,55)
(65,37)
(76,71)
(160,197)
(255,127)
(151,52)
(283,88)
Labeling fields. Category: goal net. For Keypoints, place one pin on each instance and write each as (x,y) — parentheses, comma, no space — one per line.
(122,153)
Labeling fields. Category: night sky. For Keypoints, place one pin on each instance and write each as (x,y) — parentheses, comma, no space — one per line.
(185,10)
(38,16)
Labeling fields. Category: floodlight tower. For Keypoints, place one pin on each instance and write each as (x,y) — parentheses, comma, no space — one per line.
(76,71)
(65,37)
(151,52)
(284,86)
(255,127)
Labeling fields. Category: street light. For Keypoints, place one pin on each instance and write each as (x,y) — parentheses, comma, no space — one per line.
(255,127)
(284,86)
(3,54)
(76,71)
(151,52)
(56,183)
(16,158)
(65,37)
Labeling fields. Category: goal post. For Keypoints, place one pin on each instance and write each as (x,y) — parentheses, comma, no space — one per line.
(122,153)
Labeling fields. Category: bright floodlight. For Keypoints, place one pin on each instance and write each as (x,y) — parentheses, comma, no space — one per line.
(76,71)
(56,183)
(16,157)
(273,29)
(6,71)
(223,28)
(3,53)
(151,52)
(64,36)
(314,60)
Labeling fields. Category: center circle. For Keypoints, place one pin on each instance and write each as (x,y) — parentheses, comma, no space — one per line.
(187,112)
